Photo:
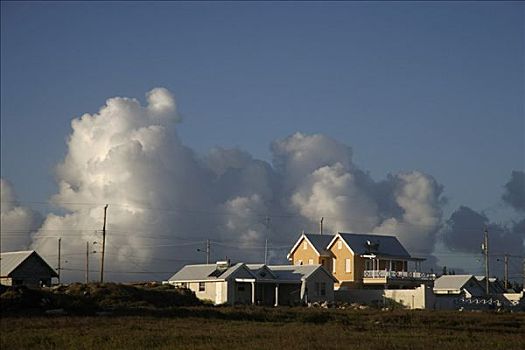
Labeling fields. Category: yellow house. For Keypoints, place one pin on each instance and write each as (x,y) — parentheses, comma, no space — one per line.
(360,260)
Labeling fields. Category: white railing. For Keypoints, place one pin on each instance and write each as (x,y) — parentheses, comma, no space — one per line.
(399,275)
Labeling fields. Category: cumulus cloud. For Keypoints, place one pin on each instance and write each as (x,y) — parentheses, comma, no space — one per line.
(17,222)
(165,200)
(514,194)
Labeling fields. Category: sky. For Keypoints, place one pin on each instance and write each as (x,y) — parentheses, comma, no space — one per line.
(436,88)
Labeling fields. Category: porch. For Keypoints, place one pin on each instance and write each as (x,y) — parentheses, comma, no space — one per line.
(385,270)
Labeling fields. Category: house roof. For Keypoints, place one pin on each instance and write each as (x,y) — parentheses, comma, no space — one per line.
(257,270)
(317,241)
(203,272)
(451,282)
(296,272)
(9,261)
(387,246)
(208,272)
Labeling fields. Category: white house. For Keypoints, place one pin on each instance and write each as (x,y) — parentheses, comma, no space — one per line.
(256,283)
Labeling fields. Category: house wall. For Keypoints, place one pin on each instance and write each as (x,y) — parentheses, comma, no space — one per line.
(340,256)
(32,273)
(242,293)
(6,281)
(312,283)
(209,290)
(304,255)
(417,298)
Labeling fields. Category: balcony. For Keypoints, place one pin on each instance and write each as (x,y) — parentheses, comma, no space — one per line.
(383,276)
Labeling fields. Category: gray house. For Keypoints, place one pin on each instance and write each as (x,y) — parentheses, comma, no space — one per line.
(256,283)
(25,268)
(450,289)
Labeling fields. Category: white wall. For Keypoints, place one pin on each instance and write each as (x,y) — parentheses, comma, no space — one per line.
(417,298)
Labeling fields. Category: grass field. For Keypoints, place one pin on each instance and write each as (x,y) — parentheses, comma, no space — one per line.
(266,328)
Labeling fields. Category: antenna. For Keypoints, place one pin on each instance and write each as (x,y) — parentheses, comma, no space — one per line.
(321,225)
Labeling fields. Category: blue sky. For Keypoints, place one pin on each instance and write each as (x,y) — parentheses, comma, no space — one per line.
(436,87)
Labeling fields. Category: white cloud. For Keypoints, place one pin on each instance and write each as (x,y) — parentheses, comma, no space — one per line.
(17,222)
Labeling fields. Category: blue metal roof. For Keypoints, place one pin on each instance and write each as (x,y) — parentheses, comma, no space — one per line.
(381,245)
(320,242)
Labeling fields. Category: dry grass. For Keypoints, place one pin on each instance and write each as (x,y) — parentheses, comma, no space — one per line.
(265,328)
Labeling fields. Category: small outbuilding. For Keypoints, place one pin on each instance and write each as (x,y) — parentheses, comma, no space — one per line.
(25,268)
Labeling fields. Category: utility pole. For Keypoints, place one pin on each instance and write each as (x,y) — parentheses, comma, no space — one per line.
(207,251)
(321,226)
(506,272)
(485,247)
(267,224)
(103,245)
(87,262)
(59,267)
(266,251)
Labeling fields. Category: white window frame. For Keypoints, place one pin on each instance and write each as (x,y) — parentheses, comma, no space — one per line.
(305,245)
(310,261)
(348,265)
(334,265)
(339,244)
(202,286)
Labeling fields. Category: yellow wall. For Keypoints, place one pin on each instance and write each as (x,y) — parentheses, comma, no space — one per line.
(340,256)
(305,254)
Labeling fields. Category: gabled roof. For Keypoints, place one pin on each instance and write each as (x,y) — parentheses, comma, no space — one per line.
(452,282)
(317,241)
(297,272)
(9,261)
(259,269)
(207,272)
(387,246)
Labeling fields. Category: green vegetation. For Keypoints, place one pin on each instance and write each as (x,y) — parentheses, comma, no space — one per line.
(265,328)
(88,299)
(160,317)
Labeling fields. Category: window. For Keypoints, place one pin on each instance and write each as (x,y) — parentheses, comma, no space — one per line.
(348,265)
(305,245)
(299,262)
(202,286)
(334,263)
(240,287)
(320,288)
(310,261)
(339,244)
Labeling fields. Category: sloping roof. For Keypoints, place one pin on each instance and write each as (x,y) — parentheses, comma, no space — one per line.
(204,272)
(296,272)
(387,245)
(319,242)
(9,261)
(451,282)
(256,269)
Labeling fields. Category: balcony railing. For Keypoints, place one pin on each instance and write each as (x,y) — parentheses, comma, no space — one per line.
(409,275)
